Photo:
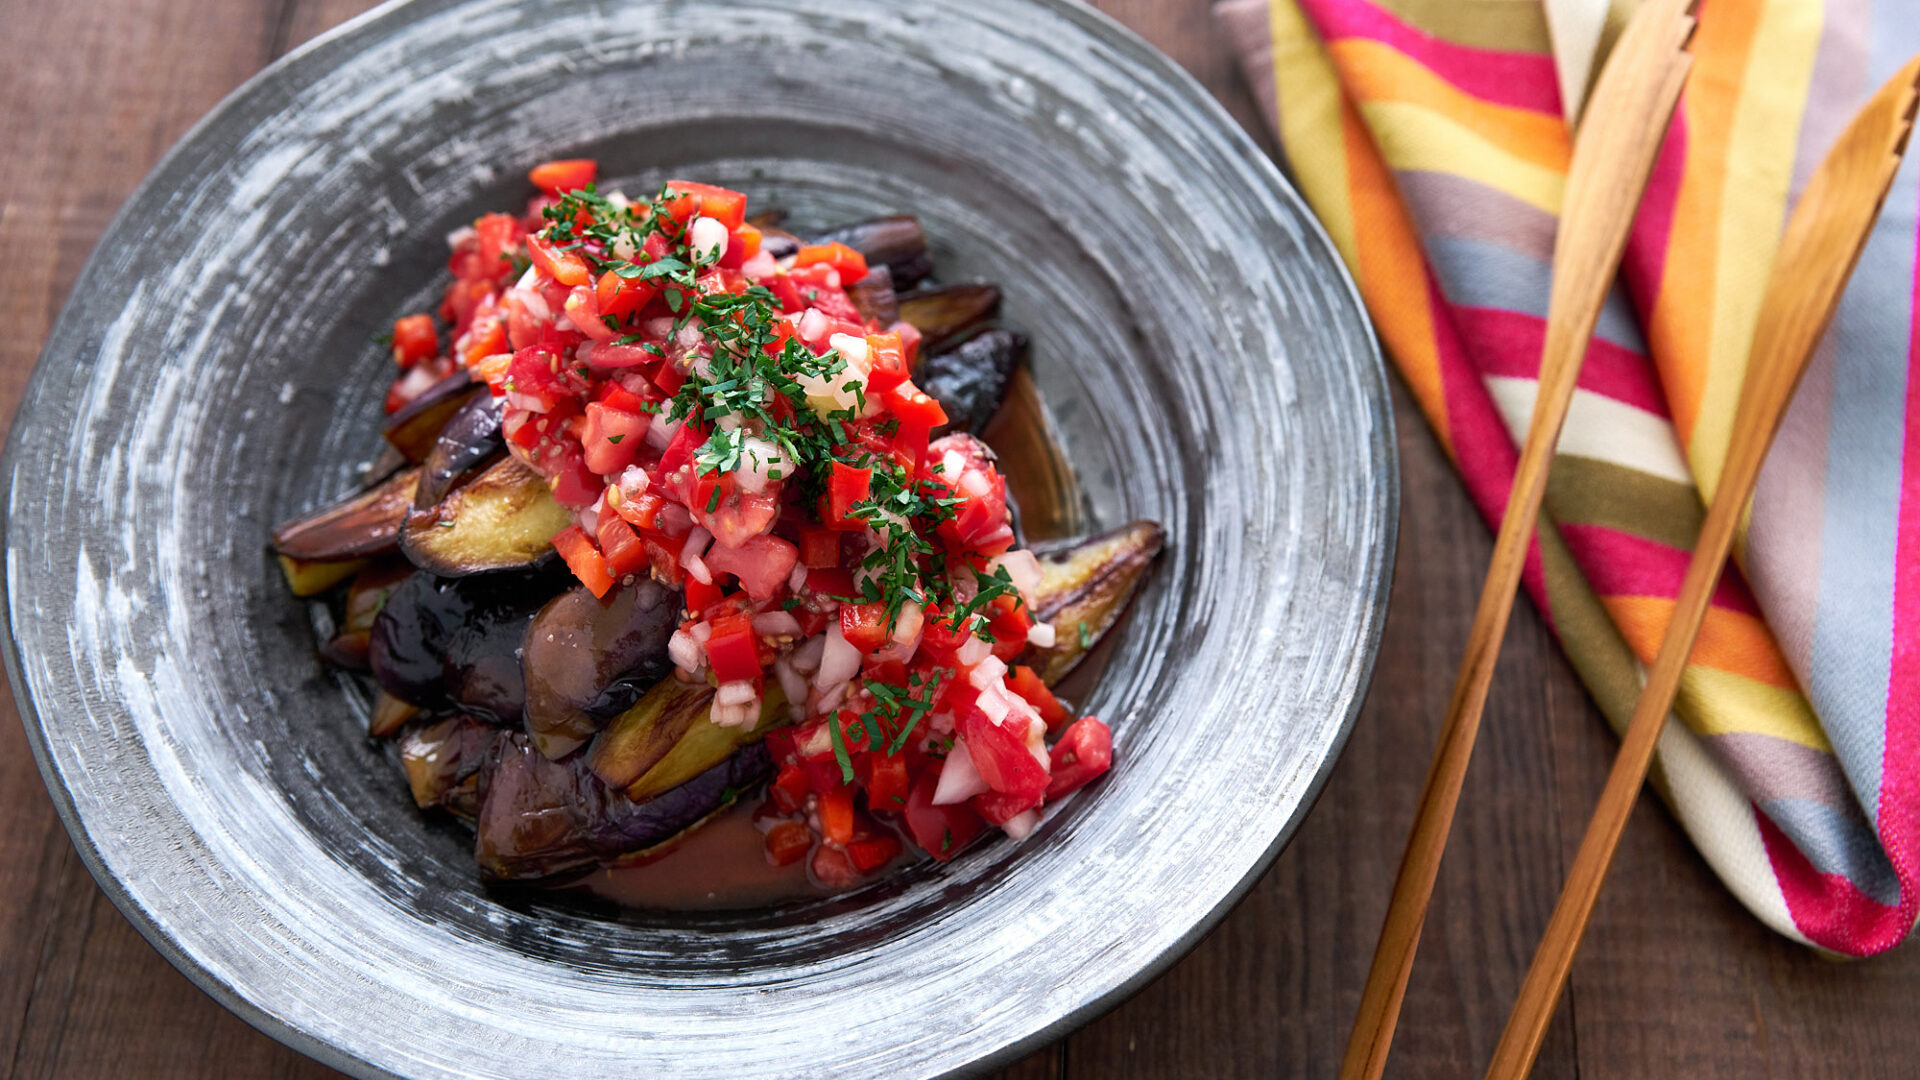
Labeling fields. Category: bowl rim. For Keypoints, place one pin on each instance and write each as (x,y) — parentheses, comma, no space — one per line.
(1213,116)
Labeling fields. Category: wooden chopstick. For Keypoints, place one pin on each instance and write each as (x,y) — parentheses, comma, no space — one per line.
(1612,156)
(1822,242)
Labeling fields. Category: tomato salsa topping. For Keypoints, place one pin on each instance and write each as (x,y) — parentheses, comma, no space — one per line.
(728,423)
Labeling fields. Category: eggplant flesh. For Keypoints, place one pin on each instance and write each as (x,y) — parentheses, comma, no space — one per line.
(503,519)
(361,525)
(896,240)
(541,819)
(414,428)
(1085,585)
(470,440)
(970,380)
(588,659)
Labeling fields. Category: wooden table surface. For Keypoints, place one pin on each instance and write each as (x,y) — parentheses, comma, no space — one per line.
(1676,980)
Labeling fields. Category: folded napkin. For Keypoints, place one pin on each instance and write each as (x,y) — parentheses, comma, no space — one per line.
(1429,137)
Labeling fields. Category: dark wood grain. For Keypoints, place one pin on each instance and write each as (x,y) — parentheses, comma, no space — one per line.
(1675,979)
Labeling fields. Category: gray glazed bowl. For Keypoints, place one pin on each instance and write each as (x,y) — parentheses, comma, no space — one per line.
(1195,336)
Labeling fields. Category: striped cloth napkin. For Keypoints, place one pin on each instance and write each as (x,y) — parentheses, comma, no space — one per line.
(1430,137)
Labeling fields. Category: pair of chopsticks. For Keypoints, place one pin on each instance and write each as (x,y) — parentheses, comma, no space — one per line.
(1613,155)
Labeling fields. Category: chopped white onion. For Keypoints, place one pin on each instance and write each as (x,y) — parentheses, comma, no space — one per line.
(1041,635)
(762,265)
(813,326)
(698,541)
(697,569)
(993,704)
(589,520)
(974,482)
(839,661)
(707,240)
(987,673)
(806,658)
(974,651)
(744,715)
(530,280)
(1023,569)
(659,328)
(660,431)
(952,464)
(853,350)
(908,624)
(701,631)
(686,652)
(738,692)
(623,247)
(792,683)
(461,235)
(1021,825)
(633,482)
(830,700)
(776,624)
(797,578)
(761,464)
(959,780)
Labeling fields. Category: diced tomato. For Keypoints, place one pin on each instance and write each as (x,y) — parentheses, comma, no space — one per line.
(565,267)
(585,562)
(567,174)
(787,291)
(819,547)
(940,638)
(886,781)
(941,831)
(735,517)
(864,625)
(1082,754)
(788,842)
(998,808)
(789,788)
(611,438)
(641,511)
(873,852)
(889,362)
(700,595)
(1009,624)
(726,206)
(1000,753)
(832,868)
(620,546)
(681,448)
(1025,682)
(732,649)
(744,244)
(913,407)
(762,564)
(414,340)
(574,485)
(486,332)
(836,815)
(909,342)
(846,485)
(621,296)
(830,581)
(497,236)
(664,553)
(850,263)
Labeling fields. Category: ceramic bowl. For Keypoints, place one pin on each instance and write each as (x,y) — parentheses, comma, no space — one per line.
(1194,334)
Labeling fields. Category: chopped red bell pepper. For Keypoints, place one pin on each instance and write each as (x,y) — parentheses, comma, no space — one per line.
(846,486)
(583,559)
(567,174)
(733,651)
(864,625)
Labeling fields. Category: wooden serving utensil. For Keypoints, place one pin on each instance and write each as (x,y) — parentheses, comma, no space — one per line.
(1817,254)
(1613,154)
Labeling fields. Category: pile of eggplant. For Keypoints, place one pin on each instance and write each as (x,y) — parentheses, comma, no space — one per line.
(550,720)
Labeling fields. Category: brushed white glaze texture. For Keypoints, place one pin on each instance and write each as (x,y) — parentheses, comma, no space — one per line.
(1194,336)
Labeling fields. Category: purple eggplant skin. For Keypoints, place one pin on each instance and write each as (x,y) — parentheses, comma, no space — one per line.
(873,296)
(364,524)
(541,819)
(441,642)
(469,442)
(413,429)
(589,659)
(970,380)
(443,762)
(896,240)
